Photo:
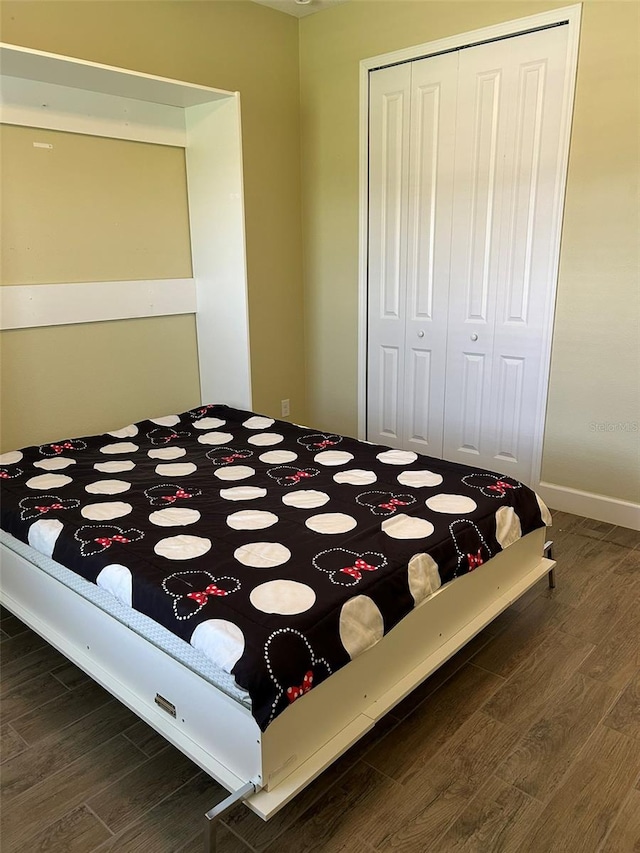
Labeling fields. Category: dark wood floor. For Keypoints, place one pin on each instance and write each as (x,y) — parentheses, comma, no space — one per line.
(528,740)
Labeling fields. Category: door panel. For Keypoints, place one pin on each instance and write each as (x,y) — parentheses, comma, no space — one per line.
(431,170)
(509,412)
(473,381)
(389,175)
(516,265)
(411,150)
(390,376)
(419,398)
(478,191)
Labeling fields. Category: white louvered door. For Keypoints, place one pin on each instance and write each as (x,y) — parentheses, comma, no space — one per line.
(470,232)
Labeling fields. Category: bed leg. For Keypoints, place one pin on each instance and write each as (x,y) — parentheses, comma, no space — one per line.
(213,817)
(548,553)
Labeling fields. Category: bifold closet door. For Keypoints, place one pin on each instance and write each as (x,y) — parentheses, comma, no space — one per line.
(411,139)
(464,171)
(509,120)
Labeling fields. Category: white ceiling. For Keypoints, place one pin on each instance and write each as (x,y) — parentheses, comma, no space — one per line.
(300,10)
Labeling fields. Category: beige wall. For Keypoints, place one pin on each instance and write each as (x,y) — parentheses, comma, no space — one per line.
(234,45)
(91,209)
(64,381)
(594,374)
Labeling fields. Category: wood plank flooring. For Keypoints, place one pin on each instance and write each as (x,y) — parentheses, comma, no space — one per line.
(527,741)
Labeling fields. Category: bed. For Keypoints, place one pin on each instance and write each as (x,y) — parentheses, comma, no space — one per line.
(259,592)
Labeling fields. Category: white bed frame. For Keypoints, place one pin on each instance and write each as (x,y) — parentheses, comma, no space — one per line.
(268,769)
(310,734)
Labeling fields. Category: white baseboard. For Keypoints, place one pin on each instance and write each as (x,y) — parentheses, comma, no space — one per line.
(591,505)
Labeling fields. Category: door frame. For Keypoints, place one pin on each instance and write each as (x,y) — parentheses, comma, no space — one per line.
(569,15)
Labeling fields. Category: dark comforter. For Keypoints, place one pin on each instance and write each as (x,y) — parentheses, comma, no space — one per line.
(280,552)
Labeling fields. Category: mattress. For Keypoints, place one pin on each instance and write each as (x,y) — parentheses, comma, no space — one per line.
(277,553)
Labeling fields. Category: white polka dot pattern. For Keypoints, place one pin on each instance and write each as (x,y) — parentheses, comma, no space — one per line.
(544,512)
(419,479)
(283,597)
(278,457)
(258,422)
(108,487)
(166,420)
(48,481)
(508,527)
(183,547)
(174,516)
(117,580)
(251,519)
(126,432)
(58,463)
(355,477)
(106,511)
(235,472)
(451,504)
(361,625)
(119,447)
(331,522)
(115,467)
(265,439)
(209,423)
(11,457)
(397,457)
(333,457)
(176,469)
(305,499)
(424,577)
(167,453)
(221,641)
(215,438)
(44,534)
(243,493)
(407,527)
(262,555)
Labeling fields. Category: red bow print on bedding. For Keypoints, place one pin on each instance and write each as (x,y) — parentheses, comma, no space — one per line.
(47,508)
(475,560)
(357,569)
(298,476)
(60,448)
(500,486)
(393,504)
(233,457)
(203,597)
(107,541)
(179,494)
(294,693)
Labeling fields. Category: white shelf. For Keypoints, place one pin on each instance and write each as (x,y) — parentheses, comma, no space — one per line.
(30,64)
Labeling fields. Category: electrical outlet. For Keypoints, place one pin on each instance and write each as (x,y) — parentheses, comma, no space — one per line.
(284,408)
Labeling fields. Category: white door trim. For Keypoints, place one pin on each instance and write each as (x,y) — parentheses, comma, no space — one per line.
(572,16)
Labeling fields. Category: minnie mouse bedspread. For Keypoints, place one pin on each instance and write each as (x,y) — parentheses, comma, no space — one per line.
(280,552)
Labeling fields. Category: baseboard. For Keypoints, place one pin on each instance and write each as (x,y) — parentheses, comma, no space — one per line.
(591,505)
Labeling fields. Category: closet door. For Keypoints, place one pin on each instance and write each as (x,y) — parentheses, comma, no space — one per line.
(411,149)
(507,173)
